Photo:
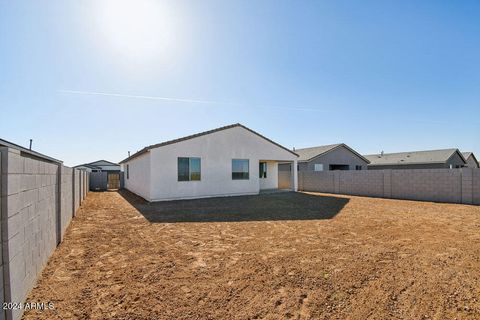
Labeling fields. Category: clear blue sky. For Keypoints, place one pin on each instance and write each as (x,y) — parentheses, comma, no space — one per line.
(377,75)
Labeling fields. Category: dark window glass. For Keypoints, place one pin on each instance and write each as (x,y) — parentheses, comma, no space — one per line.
(240,169)
(358,167)
(195,170)
(128,171)
(183,169)
(189,169)
(263,170)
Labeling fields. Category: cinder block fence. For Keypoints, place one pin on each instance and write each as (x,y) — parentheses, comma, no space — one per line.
(440,185)
(39,197)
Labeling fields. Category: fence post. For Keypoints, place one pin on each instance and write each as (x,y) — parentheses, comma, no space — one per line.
(467,185)
(73,192)
(2,210)
(387,183)
(58,220)
(336,181)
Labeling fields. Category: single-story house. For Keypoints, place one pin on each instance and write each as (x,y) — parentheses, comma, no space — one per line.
(471,160)
(330,157)
(427,159)
(227,161)
(100,166)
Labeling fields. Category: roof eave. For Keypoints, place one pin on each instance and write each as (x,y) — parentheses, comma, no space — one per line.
(158,145)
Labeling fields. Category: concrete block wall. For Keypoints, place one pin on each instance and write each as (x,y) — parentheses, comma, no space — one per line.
(476,186)
(361,183)
(2,297)
(77,190)
(440,185)
(66,212)
(317,181)
(36,207)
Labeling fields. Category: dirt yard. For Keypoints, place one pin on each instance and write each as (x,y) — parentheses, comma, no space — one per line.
(277,256)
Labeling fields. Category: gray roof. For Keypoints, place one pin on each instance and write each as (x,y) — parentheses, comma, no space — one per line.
(307,154)
(466,154)
(87,165)
(97,164)
(31,153)
(413,157)
(153,146)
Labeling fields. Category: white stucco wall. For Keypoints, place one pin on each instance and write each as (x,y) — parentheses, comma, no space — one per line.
(138,180)
(216,151)
(271,181)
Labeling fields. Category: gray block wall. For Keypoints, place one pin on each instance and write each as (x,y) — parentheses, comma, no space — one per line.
(77,190)
(67,199)
(2,297)
(476,186)
(440,185)
(362,183)
(36,209)
(320,181)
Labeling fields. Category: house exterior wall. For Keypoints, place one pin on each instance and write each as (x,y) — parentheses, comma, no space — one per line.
(271,181)
(137,176)
(157,169)
(339,155)
(471,163)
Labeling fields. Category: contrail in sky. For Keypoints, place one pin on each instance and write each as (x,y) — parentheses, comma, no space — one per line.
(181,100)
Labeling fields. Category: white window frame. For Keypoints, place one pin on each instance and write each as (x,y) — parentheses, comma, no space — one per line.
(318,167)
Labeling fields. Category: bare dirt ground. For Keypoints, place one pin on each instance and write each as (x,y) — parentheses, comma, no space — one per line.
(278,256)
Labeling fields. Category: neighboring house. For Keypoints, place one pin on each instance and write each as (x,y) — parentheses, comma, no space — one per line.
(330,157)
(428,159)
(471,160)
(100,166)
(104,175)
(231,160)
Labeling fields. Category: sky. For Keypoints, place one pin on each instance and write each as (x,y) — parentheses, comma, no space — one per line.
(94,79)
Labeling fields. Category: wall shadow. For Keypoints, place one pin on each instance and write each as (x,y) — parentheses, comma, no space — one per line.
(263,207)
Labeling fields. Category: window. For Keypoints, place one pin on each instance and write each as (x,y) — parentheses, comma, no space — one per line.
(189,169)
(128,171)
(318,167)
(358,167)
(263,169)
(240,169)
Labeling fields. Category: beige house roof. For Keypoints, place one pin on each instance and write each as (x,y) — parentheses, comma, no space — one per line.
(413,157)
